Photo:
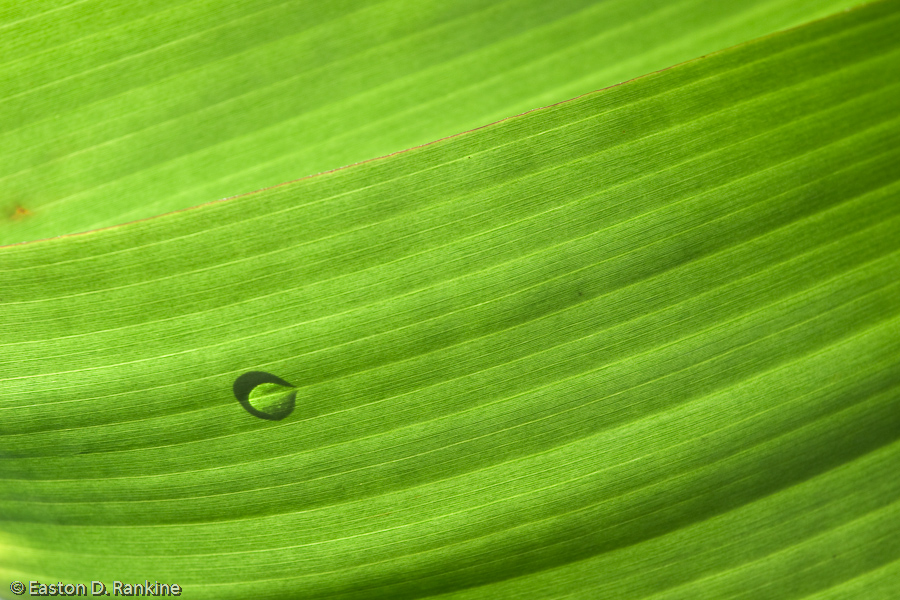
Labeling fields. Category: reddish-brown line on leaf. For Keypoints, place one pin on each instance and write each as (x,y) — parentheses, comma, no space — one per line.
(455,135)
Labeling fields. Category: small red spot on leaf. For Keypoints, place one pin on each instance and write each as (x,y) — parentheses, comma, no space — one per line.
(20,213)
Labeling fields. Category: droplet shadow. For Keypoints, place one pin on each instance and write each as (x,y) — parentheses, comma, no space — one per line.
(246,383)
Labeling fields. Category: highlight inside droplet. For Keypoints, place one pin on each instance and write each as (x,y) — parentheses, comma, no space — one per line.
(265,395)
(272,398)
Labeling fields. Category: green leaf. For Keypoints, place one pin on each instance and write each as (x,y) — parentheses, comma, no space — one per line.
(641,344)
(115,111)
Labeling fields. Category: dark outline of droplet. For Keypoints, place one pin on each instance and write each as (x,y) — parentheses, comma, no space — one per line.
(244,384)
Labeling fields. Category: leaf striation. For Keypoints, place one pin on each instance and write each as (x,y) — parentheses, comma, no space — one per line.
(641,344)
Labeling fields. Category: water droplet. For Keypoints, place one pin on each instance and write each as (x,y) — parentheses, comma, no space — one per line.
(264,395)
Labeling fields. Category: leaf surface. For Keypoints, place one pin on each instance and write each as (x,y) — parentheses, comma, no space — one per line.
(641,344)
(113,111)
